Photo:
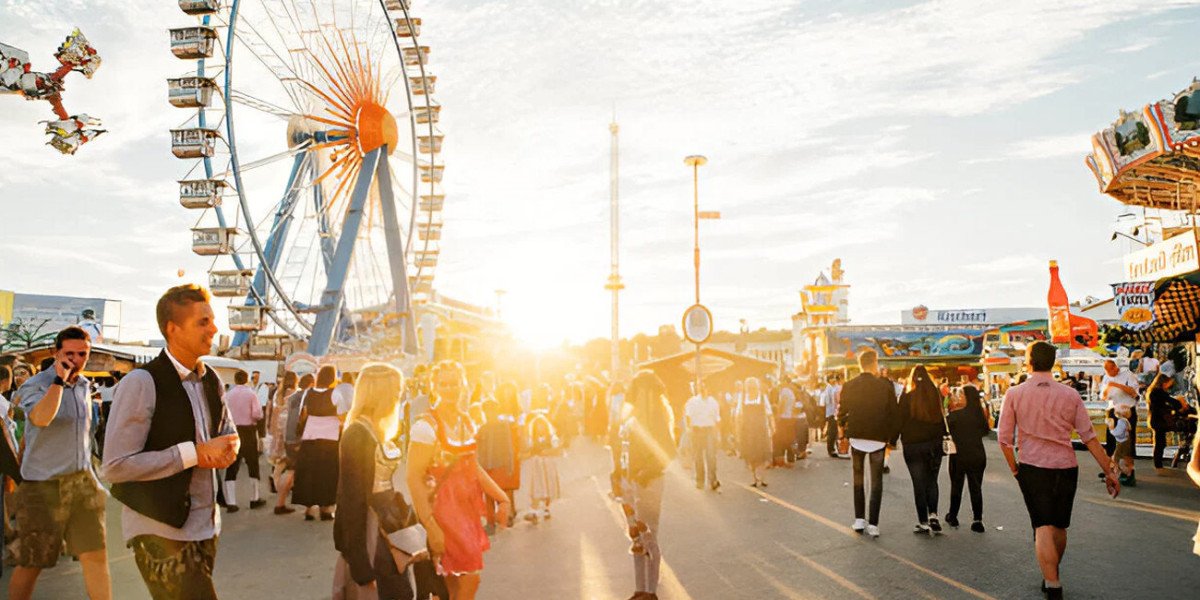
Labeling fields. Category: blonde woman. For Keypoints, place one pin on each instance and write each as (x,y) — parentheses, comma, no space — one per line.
(448,485)
(365,568)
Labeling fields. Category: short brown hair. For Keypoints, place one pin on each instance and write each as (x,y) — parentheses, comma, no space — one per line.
(240,377)
(867,359)
(175,299)
(326,376)
(71,332)
(1041,356)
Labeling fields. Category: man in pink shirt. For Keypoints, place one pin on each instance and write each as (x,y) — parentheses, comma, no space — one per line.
(1043,414)
(246,412)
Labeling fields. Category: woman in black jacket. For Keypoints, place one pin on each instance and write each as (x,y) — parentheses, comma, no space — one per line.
(365,568)
(1163,407)
(921,431)
(968,426)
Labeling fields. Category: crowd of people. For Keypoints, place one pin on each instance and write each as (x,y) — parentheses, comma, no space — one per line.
(419,472)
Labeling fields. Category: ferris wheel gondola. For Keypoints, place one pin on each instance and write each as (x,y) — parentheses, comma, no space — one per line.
(315,167)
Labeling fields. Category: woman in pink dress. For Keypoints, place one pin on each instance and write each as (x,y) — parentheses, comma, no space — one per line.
(447,484)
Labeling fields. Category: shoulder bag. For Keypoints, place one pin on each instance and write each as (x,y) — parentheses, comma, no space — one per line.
(948,446)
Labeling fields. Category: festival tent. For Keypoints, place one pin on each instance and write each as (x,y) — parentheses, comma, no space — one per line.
(718,371)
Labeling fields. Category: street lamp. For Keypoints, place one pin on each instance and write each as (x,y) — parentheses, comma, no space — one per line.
(697,319)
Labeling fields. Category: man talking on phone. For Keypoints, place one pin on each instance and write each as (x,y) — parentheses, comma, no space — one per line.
(168,433)
(60,499)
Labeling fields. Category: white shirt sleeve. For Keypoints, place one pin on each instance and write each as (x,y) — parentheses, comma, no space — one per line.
(422,433)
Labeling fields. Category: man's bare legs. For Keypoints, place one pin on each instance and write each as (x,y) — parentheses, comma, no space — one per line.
(95,578)
(95,574)
(1051,544)
(20,587)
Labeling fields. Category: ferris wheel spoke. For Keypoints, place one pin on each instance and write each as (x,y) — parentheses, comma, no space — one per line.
(264,52)
(274,158)
(261,105)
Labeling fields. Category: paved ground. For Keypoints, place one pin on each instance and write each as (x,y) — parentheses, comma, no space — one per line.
(789,541)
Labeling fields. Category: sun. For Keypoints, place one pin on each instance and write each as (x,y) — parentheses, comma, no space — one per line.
(538,323)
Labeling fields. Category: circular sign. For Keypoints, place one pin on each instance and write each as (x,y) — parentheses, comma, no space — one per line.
(697,324)
(920,313)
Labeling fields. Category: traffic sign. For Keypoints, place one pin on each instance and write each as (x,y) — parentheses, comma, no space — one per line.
(697,324)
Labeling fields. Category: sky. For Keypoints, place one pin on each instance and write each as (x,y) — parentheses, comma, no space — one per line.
(936,147)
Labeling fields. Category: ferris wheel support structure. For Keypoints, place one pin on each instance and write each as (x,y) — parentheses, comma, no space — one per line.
(349,79)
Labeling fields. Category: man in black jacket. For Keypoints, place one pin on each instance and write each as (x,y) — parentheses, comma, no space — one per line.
(867,415)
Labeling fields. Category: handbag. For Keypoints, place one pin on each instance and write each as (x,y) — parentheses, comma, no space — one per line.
(948,446)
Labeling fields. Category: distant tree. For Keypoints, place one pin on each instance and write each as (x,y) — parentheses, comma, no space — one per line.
(21,333)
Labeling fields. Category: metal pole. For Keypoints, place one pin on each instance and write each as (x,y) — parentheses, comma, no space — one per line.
(614,277)
(695,161)
(696,224)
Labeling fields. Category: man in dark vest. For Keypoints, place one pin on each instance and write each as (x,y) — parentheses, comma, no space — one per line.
(168,432)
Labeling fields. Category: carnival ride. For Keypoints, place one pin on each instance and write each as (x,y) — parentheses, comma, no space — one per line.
(314,121)
(68,132)
(1151,158)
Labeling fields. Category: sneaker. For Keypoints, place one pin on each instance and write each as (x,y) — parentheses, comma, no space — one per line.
(859,525)
(257,504)
(922,529)
(978,527)
(935,525)
(952,521)
(873,531)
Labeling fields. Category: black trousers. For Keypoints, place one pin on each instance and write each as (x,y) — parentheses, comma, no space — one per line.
(247,452)
(831,435)
(970,471)
(924,460)
(1110,442)
(858,457)
(1160,444)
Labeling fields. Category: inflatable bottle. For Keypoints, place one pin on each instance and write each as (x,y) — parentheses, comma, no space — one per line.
(1060,309)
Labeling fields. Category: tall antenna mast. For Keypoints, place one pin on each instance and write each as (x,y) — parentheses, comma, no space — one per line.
(614,278)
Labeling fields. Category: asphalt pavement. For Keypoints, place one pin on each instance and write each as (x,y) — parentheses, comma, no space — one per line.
(790,540)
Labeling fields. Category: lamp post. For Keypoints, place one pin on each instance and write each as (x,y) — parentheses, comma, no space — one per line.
(697,320)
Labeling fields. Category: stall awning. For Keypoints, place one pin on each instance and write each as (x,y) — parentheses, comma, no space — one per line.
(1176,315)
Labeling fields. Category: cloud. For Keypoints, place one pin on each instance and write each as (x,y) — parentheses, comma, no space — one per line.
(1073,144)
(827,133)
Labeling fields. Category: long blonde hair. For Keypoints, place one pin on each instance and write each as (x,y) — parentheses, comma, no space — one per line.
(377,399)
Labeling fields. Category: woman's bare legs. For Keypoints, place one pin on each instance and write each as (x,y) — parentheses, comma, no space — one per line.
(463,587)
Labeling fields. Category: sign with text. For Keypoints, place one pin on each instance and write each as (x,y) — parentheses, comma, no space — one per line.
(1174,256)
(1135,304)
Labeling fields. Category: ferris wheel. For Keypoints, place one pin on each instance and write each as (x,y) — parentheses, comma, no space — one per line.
(315,168)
